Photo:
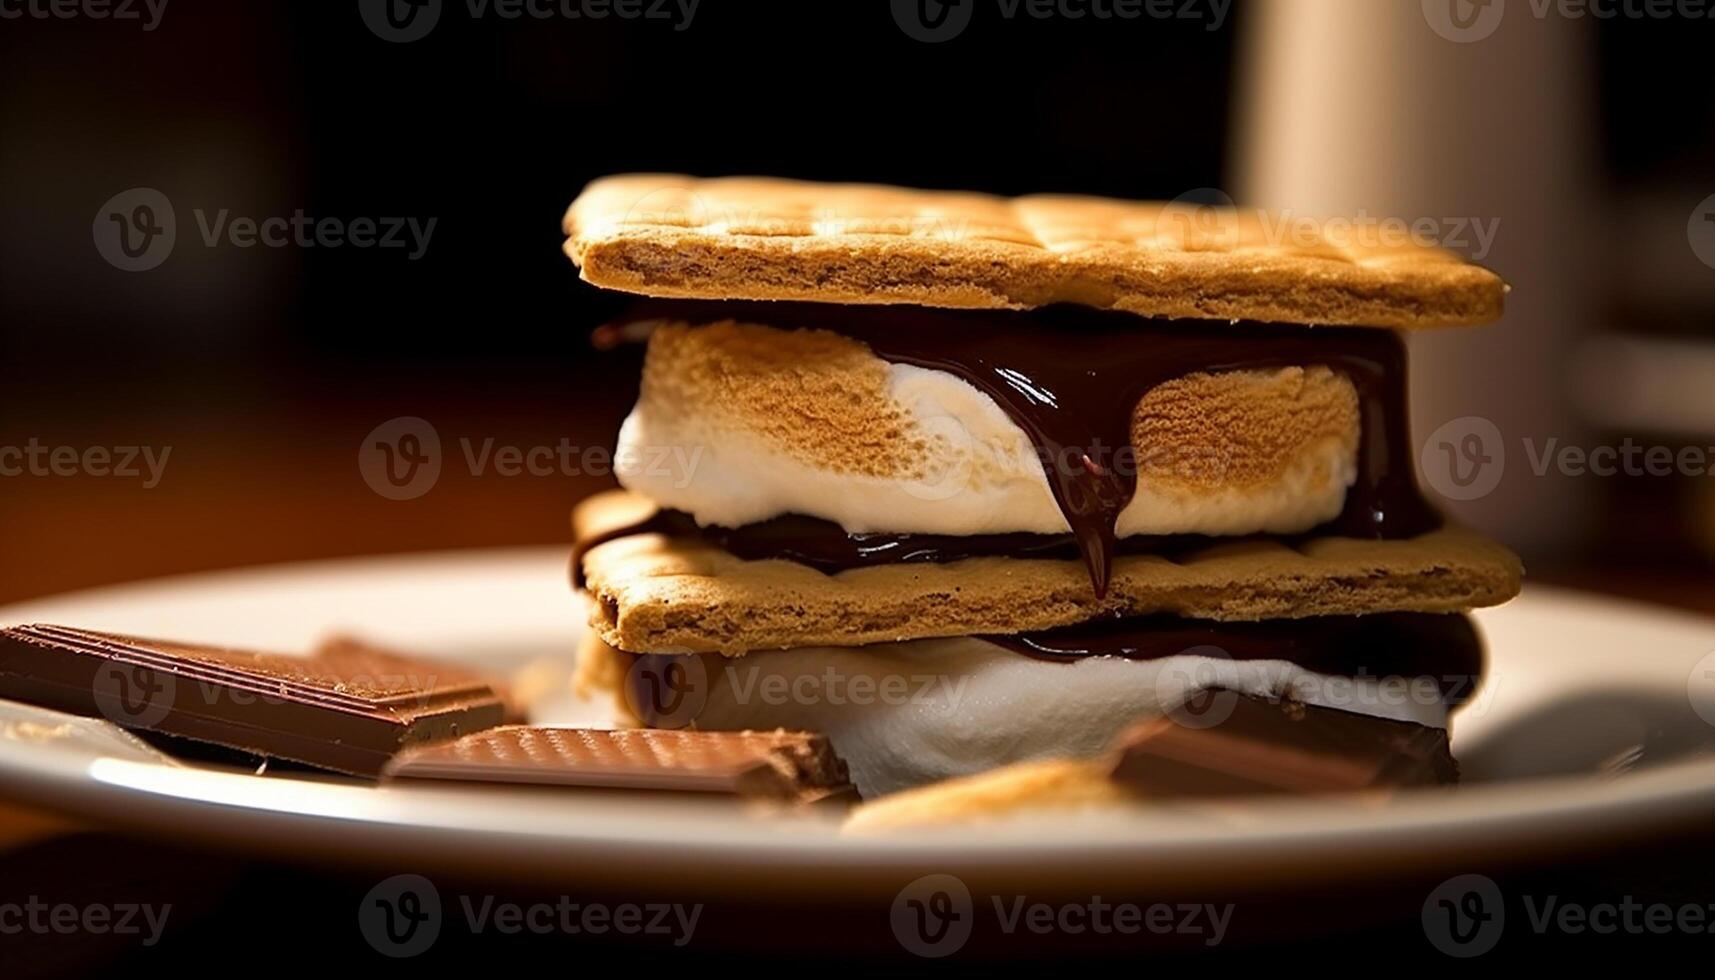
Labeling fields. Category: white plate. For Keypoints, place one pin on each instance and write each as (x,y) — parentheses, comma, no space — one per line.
(1574,679)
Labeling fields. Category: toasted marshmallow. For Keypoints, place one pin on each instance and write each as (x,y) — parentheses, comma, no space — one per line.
(740,423)
(906,714)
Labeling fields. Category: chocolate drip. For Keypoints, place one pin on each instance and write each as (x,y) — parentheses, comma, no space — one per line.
(1439,645)
(1071,378)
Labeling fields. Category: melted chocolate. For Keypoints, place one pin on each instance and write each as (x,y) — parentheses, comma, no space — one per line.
(1070,378)
(825,546)
(1267,746)
(1443,646)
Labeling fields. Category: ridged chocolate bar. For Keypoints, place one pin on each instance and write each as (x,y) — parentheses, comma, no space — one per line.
(774,765)
(347,710)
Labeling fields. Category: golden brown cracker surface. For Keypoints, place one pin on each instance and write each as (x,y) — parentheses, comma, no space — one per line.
(765,238)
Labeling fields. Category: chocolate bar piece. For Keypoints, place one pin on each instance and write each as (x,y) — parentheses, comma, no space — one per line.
(346,709)
(1267,746)
(348,648)
(776,765)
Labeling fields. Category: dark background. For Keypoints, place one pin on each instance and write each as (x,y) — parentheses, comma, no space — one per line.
(263,368)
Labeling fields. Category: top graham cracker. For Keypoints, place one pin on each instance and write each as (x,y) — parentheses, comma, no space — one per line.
(760,238)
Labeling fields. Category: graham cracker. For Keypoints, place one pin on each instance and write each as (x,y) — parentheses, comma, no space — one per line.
(670,235)
(656,594)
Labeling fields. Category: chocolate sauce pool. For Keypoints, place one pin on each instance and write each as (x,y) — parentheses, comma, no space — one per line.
(1070,378)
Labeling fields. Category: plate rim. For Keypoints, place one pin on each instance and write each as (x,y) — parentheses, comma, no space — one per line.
(1564,809)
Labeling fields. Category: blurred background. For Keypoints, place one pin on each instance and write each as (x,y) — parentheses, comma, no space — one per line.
(1572,154)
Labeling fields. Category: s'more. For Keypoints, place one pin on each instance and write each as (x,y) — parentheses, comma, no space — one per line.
(964,481)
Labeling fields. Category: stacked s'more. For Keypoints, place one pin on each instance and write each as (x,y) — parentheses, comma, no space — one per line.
(962,481)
